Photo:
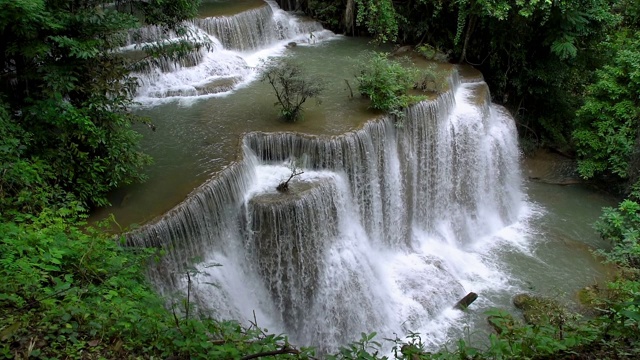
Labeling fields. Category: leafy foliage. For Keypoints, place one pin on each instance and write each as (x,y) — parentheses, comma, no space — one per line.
(430,79)
(511,341)
(607,123)
(329,13)
(385,82)
(67,92)
(380,18)
(70,291)
(364,349)
(432,53)
(621,226)
(613,335)
(292,87)
(65,289)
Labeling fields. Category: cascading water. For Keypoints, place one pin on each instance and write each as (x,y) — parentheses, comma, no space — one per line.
(387,228)
(237,44)
(259,28)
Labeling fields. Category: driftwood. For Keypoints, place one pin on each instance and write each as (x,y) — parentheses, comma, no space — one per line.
(464,303)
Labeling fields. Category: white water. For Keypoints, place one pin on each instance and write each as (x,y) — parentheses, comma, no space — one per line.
(387,228)
(238,46)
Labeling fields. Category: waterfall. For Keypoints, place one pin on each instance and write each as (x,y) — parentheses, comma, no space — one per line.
(237,43)
(380,232)
(256,28)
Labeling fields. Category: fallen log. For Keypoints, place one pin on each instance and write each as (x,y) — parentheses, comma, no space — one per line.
(464,303)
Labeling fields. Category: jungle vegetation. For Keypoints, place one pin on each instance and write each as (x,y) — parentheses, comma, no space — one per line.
(568,70)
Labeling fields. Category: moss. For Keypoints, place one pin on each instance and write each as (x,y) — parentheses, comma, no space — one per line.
(538,310)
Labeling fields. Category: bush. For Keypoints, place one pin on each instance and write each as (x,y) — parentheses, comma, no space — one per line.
(621,226)
(67,290)
(430,79)
(385,82)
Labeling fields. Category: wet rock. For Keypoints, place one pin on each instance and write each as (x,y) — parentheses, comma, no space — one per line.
(289,234)
(464,303)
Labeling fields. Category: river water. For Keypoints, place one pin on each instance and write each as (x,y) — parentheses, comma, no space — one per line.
(388,226)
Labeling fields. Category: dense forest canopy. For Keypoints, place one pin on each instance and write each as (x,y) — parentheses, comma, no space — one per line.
(569,70)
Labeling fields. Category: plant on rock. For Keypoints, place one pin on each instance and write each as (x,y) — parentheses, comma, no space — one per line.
(292,87)
(385,82)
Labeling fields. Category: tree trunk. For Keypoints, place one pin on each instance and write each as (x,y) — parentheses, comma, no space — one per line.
(349,18)
(470,27)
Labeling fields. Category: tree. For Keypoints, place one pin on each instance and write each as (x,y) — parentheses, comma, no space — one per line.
(68,89)
(283,187)
(292,87)
(607,124)
(536,55)
(379,17)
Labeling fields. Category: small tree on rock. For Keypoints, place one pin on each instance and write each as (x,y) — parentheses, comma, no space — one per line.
(292,87)
(283,187)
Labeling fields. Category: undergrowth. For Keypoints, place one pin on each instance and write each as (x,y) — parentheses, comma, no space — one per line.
(69,291)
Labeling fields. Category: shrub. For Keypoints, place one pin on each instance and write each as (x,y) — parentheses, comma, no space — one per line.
(621,226)
(69,291)
(430,79)
(385,82)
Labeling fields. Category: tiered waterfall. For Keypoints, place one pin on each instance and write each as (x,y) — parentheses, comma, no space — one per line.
(378,234)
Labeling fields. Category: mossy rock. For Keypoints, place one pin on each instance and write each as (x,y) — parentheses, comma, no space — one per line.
(538,310)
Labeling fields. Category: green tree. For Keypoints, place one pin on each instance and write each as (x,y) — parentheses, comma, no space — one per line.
(379,17)
(607,124)
(292,87)
(536,56)
(68,90)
